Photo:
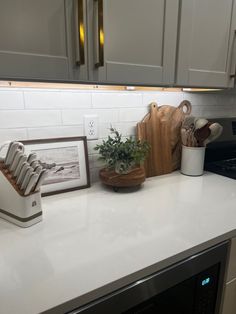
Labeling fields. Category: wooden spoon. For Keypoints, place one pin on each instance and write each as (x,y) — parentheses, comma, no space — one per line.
(216,130)
(202,134)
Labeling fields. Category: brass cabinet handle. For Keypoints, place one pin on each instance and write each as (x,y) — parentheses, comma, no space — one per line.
(99,34)
(233,75)
(80,27)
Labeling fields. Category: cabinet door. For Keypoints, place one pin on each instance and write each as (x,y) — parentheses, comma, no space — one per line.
(77,39)
(206,55)
(33,39)
(229,303)
(132,41)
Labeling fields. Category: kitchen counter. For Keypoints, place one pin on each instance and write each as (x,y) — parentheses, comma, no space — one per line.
(93,241)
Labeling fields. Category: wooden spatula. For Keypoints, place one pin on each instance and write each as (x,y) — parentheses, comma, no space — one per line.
(202,134)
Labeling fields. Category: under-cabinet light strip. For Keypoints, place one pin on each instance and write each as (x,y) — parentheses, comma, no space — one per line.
(82,86)
(18,84)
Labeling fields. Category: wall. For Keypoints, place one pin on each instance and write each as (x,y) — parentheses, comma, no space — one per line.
(42,113)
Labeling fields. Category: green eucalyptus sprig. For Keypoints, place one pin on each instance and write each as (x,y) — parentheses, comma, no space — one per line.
(122,155)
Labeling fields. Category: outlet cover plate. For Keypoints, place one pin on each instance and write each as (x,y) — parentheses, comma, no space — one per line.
(91,126)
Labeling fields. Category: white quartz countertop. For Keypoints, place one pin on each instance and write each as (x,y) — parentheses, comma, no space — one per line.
(93,241)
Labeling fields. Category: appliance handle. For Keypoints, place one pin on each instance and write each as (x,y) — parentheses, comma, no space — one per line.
(80,33)
(98,33)
(233,62)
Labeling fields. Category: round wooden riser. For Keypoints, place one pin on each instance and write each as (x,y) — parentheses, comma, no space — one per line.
(134,178)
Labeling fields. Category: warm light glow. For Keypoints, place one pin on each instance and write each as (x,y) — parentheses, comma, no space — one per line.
(201,89)
(81,32)
(18,84)
(101,37)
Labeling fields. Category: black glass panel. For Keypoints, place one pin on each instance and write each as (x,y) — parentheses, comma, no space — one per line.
(197,295)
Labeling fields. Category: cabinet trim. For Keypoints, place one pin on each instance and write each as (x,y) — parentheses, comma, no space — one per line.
(39,64)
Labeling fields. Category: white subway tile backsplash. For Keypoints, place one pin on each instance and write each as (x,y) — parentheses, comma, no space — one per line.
(216,111)
(197,111)
(163,98)
(29,118)
(132,114)
(104,129)
(75,100)
(97,163)
(230,100)
(47,113)
(94,174)
(91,146)
(116,100)
(54,132)
(210,99)
(90,160)
(11,99)
(12,134)
(41,99)
(57,100)
(126,128)
(70,117)
(106,115)
(233,111)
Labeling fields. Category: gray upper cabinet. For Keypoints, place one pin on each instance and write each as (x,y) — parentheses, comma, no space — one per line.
(144,42)
(132,41)
(33,39)
(76,24)
(207,43)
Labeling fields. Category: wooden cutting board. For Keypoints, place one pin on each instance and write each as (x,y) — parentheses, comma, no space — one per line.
(161,129)
(156,133)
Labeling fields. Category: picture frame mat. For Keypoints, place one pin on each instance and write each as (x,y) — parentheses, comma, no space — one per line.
(49,144)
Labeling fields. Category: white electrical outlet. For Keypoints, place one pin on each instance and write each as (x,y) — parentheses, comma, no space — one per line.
(91,126)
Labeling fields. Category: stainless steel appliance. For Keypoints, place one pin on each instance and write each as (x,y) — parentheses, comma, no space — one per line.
(220,155)
(192,286)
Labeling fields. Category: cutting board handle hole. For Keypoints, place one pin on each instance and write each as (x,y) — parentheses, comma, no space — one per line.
(186,107)
(154,105)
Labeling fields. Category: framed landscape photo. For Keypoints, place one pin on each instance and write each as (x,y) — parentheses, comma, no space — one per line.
(66,160)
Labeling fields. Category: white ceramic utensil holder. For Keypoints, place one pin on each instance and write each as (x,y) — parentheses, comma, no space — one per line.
(192,160)
(24,211)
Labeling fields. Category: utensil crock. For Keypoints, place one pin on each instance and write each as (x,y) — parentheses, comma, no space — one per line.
(192,160)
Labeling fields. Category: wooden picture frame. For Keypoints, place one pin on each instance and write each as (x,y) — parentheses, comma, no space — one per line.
(67,161)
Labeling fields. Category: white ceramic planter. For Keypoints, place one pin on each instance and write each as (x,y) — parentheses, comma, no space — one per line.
(192,160)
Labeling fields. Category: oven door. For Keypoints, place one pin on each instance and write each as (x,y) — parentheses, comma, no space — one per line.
(191,286)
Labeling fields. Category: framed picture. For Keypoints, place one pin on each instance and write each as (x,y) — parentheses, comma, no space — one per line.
(67,162)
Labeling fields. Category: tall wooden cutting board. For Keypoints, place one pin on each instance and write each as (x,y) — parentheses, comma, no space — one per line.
(156,133)
(161,129)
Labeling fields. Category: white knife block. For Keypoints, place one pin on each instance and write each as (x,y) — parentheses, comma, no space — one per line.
(23,211)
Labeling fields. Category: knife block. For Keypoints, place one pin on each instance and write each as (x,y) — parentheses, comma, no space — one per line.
(23,211)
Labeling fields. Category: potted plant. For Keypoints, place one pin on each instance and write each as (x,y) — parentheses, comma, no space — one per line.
(123,159)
